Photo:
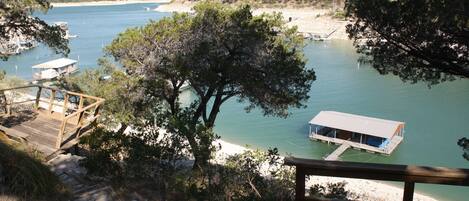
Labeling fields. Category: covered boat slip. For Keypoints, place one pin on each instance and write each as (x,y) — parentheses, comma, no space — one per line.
(361,132)
(47,119)
(55,68)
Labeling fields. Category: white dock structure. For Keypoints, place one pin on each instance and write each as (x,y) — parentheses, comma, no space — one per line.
(335,155)
(356,131)
(55,68)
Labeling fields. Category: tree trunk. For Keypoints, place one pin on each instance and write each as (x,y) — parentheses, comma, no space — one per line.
(122,128)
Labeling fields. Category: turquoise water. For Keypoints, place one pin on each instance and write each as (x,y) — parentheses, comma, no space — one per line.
(435,118)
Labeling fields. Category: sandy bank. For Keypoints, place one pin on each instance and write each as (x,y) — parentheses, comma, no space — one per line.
(310,20)
(367,190)
(106,3)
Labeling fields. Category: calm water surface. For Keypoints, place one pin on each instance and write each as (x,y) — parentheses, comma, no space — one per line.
(435,118)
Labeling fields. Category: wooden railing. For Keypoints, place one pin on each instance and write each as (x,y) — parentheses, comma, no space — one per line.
(405,173)
(79,116)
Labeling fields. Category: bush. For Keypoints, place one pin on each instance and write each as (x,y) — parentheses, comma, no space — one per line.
(22,174)
(335,191)
(144,155)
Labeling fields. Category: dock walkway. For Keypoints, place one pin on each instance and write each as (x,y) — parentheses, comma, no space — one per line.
(335,155)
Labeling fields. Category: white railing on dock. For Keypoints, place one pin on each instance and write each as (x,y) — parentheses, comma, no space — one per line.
(388,150)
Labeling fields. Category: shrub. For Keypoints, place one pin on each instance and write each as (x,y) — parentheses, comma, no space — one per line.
(335,191)
(24,176)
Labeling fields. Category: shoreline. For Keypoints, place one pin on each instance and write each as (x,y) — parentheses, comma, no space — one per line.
(106,3)
(367,190)
(309,20)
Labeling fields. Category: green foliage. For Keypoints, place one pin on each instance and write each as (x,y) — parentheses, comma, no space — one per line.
(24,176)
(143,153)
(417,40)
(339,15)
(257,175)
(464,144)
(108,82)
(221,52)
(16,20)
(335,191)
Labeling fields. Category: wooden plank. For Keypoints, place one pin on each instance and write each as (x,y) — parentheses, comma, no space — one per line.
(36,136)
(14,133)
(339,151)
(40,128)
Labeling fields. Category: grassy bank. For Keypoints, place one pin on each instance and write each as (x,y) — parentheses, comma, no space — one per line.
(23,176)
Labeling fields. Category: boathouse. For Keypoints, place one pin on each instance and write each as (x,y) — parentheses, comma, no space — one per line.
(361,132)
(55,68)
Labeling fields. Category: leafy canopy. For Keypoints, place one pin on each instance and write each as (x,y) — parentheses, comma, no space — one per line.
(220,52)
(417,40)
(16,20)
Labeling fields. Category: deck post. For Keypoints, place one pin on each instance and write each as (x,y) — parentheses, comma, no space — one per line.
(38,98)
(96,110)
(58,143)
(51,101)
(80,118)
(300,184)
(80,106)
(65,105)
(408,191)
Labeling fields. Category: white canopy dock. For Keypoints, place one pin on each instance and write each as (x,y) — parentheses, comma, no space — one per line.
(55,68)
(368,133)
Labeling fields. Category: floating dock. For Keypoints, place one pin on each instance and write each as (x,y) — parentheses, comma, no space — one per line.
(335,155)
(360,132)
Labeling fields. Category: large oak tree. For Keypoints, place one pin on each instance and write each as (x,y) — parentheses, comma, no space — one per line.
(222,53)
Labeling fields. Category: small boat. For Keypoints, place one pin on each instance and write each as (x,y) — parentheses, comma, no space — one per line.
(55,69)
(64,27)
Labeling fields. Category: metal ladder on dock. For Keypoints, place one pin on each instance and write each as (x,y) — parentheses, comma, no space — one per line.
(335,155)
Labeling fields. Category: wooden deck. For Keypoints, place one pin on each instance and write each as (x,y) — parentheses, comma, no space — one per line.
(50,124)
(34,128)
(334,156)
(388,150)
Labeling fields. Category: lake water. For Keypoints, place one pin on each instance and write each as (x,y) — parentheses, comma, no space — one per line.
(435,118)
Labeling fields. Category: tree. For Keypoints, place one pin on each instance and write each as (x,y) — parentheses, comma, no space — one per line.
(16,21)
(417,40)
(221,52)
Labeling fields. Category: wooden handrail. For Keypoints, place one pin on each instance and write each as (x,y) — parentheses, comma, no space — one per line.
(405,173)
(52,88)
(82,110)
